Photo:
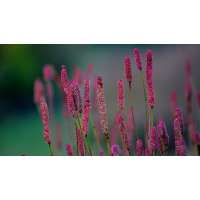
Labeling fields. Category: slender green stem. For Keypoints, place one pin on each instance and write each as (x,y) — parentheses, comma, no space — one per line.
(51,150)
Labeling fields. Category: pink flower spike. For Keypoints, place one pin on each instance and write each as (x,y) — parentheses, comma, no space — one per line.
(128,70)
(86,109)
(139,147)
(48,72)
(138,63)
(150,90)
(102,109)
(80,142)
(163,138)
(38,91)
(69,150)
(44,112)
(153,142)
(120,95)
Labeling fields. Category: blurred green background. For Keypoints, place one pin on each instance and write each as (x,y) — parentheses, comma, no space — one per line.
(20,65)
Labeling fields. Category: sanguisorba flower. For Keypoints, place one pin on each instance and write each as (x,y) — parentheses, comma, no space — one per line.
(139,147)
(123,133)
(86,109)
(178,133)
(74,101)
(163,138)
(44,113)
(153,140)
(149,81)
(120,95)
(48,72)
(136,54)
(101,105)
(128,70)
(69,150)
(38,91)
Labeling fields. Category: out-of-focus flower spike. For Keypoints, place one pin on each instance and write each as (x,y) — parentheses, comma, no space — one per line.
(69,150)
(120,95)
(44,113)
(153,140)
(163,138)
(128,70)
(137,59)
(86,109)
(48,72)
(102,109)
(38,91)
(149,81)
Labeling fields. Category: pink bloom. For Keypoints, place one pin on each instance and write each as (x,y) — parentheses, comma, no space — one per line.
(115,150)
(150,90)
(69,150)
(123,132)
(77,75)
(179,140)
(120,95)
(128,70)
(136,54)
(38,91)
(101,104)
(163,138)
(44,112)
(153,140)
(48,72)
(86,109)
(139,147)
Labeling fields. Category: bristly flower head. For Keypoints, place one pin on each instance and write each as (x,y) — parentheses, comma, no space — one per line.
(38,91)
(128,70)
(178,132)
(123,133)
(86,109)
(101,104)
(153,140)
(150,90)
(48,72)
(120,95)
(163,137)
(139,147)
(44,113)
(69,150)
(136,54)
